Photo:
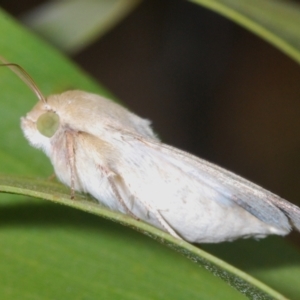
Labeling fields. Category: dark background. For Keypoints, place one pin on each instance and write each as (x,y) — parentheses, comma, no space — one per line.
(209,86)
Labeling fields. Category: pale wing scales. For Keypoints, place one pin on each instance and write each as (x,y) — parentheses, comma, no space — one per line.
(193,201)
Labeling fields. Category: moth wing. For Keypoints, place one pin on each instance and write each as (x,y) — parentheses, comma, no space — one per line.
(166,186)
(258,201)
(264,205)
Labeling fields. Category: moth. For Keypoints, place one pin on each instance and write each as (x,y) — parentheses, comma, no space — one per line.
(98,147)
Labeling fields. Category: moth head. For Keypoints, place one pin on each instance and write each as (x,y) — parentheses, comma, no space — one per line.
(42,122)
(40,126)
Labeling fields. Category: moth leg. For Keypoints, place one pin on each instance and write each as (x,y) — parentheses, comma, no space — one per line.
(71,160)
(109,175)
(120,199)
(168,228)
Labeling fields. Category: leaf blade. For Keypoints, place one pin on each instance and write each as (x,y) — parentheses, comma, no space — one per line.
(59,194)
(277,22)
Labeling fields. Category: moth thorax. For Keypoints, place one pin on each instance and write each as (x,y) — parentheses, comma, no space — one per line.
(48,123)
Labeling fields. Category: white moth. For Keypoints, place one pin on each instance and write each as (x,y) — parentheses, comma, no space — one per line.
(98,147)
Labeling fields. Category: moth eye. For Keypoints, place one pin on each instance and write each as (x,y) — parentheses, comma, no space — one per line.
(48,123)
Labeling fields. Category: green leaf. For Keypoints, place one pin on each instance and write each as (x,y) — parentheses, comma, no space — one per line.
(66,23)
(51,252)
(57,193)
(276,21)
(72,25)
(54,252)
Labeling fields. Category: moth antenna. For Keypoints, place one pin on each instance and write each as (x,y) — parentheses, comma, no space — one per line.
(25,77)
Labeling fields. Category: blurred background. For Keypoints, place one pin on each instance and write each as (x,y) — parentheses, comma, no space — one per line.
(209,87)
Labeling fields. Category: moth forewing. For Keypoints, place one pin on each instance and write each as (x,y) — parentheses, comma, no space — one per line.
(188,201)
(263,204)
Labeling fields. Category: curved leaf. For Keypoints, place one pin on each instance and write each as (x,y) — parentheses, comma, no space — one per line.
(72,25)
(46,256)
(277,22)
(57,193)
(56,253)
